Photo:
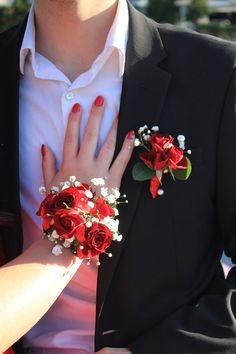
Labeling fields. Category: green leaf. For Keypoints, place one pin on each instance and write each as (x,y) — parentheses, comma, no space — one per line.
(159,174)
(189,168)
(150,168)
(172,174)
(141,172)
(183,174)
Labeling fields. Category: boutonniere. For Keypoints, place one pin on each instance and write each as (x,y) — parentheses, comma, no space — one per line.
(163,154)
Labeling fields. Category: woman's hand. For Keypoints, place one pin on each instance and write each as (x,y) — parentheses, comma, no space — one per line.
(80,161)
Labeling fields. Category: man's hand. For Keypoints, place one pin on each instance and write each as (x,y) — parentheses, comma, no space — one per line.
(114,351)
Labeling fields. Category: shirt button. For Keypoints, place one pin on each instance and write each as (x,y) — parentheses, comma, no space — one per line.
(69,96)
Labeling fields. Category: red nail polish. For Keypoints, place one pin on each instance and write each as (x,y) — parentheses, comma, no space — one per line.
(43,150)
(131,135)
(99,101)
(76,108)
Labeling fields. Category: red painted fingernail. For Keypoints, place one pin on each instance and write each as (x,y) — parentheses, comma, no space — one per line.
(131,135)
(99,101)
(43,150)
(76,108)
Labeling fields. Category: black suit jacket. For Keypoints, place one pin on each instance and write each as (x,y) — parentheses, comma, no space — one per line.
(163,292)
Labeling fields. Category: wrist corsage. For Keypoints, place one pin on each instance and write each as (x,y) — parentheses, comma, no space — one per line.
(81,217)
(162,155)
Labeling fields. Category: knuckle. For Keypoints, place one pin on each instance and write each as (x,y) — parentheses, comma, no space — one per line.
(96,112)
(90,135)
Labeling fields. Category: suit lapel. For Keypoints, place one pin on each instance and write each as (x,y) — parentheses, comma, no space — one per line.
(9,93)
(144,90)
(9,89)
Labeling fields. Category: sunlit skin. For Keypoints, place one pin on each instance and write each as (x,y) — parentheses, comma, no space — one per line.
(77,29)
(22,300)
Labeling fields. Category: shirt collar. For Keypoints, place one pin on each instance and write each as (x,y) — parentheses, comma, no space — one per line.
(28,43)
(117,38)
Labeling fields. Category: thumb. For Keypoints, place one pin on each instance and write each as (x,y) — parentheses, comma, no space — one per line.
(48,165)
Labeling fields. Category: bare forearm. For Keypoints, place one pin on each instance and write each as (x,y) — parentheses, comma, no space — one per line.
(29,286)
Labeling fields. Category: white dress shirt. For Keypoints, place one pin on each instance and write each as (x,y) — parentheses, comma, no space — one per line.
(46,98)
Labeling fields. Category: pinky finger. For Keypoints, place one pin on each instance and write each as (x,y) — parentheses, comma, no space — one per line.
(48,165)
(119,165)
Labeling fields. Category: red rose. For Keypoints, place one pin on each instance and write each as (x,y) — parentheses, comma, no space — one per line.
(156,160)
(163,154)
(46,222)
(45,206)
(70,197)
(98,238)
(160,142)
(175,155)
(102,209)
(66,223)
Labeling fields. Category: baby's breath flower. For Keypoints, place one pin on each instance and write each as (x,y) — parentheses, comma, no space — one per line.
(116,211)
(115,236)
(112,224)
(98,181)
(89,194)
(116,192)
(54,189)
(181,138)
(72,179)
(104,192)
(88,224)
(181,141)
(66,185)
(57,250)
(147,137)
(141,129)
(137,142)
(119,238)
(111,198)
(55,234)
(155,128)
(66,244)
(42,189)
(91,204)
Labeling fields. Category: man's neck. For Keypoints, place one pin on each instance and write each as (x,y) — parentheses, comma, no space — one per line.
(71,33)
